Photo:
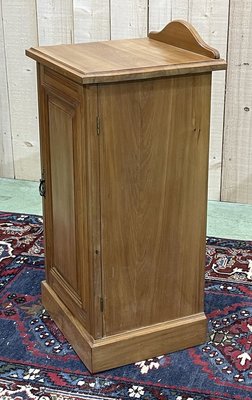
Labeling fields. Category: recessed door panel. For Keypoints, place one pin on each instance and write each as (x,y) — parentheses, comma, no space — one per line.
(62,187)
(64,165)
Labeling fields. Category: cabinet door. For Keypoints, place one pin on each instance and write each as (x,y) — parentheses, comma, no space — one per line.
(65,211)
(154,163)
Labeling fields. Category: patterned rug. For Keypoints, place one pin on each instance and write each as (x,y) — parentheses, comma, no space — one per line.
(36,361)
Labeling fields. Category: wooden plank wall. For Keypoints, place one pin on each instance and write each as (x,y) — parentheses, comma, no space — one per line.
(6,150)
(237,155)
(21,85)
(73,21)
(54,21)
(210,18)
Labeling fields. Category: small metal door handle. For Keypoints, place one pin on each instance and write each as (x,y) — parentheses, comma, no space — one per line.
(42,187)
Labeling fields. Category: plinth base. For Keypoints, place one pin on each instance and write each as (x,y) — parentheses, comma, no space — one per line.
(128,347)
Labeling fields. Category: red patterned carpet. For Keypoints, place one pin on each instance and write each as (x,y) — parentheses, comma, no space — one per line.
(36,361)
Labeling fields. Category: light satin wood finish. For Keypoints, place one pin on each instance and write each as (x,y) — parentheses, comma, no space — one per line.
(154,156)
(125,165)
(131,59)
(63,145)
(181,34)
(109,352)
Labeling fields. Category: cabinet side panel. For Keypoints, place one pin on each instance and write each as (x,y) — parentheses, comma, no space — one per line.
(91,147)
(154,163)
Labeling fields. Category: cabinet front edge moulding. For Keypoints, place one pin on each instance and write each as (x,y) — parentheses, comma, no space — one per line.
(176,50)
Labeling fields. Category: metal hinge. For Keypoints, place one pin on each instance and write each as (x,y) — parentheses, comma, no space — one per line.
(98,125)
(101,304)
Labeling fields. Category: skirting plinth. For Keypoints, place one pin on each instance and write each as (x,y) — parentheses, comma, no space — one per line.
(124,348)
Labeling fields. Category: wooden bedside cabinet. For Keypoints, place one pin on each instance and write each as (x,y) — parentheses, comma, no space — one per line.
(124,128)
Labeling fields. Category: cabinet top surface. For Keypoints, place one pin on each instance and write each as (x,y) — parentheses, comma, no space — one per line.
(119,60)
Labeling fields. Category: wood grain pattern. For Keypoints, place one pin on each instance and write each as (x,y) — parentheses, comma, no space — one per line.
(128,18)
(45,166)
(153,195)
(92,200)
(148,342)
(211,19)
(126,348)
(6,153)
(82,153)
(183,35)
(21,85)
(122,60)
(126,164)
(237,152)
(68,324)
(64,163)
(62,180)
(54,21)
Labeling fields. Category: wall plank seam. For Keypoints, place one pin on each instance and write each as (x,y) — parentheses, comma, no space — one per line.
(8,158)
(225,98)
